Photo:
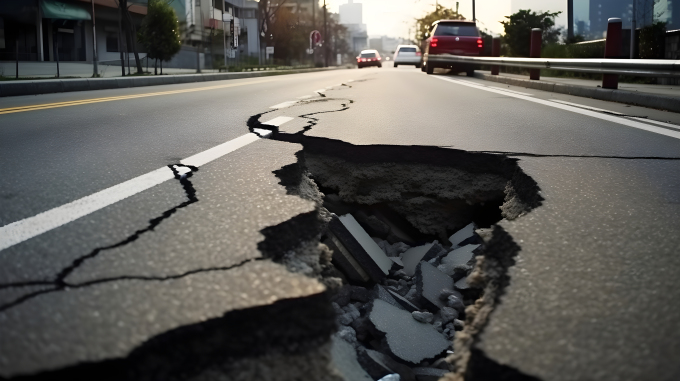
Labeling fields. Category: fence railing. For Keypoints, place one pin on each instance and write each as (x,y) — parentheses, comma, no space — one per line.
(643,68)
(611,66)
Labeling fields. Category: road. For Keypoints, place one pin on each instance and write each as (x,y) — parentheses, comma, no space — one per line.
(106,251)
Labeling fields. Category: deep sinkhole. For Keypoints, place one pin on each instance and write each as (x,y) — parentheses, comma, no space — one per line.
(412,247)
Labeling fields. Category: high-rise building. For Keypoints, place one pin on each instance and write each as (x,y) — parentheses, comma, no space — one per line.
(351,13)
(351,16)
(591,16)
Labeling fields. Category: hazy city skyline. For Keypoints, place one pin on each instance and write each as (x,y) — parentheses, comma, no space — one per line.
(395,17)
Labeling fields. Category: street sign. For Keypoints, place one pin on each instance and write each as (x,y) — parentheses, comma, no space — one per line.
(269,50)
(310,51)
(236,32)
(226,17)
(314,39)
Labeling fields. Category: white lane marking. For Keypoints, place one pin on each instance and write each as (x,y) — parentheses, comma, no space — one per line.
(351,80)
(321,91)
(588,107)
(265,134)
(284,104)
(22,230)
(597,115)
(481,86)
(216,152)
(278,121)
(513,91)
(667,125)
(305,97)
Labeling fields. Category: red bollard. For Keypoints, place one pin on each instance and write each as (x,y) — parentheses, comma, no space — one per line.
(612,49)
(536,41)
(495,52)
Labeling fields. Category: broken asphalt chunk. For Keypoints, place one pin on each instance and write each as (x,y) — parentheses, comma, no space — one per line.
(403,301)
(383,366)
(413,256)
(407,339)
(460,237)
(345,261)
(429,374)
(423,317)
(430,283)
(345,361)
(456,260)
(462,284)
(380,292)
(359,246)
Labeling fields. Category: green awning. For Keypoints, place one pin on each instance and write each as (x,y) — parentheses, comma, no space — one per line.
(57,10)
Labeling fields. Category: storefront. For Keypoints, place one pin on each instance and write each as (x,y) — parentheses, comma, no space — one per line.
(63,30)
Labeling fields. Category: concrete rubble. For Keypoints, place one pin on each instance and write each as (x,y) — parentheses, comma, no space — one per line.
(400,317)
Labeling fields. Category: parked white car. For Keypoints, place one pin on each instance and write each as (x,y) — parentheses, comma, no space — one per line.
(407,55)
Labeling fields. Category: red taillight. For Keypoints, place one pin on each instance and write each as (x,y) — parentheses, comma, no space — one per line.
(379,58)
(363,60)
(418,53)
(480,43)
(434,42)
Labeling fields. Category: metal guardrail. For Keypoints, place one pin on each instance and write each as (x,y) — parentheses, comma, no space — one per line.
(643,68)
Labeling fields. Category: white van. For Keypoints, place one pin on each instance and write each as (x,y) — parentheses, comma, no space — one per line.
(407,55)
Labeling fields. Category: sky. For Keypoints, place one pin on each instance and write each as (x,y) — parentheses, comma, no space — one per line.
(394,17)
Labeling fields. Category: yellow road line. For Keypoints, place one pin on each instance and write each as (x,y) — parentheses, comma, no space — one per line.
(45,106)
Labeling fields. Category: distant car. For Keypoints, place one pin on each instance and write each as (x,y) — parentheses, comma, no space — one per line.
(452,37)
(369,58)
(407,55)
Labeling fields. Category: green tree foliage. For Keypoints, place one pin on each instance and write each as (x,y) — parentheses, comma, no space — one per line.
(518,30)
(653,41)
(288,32)
(424,24)
(160,31)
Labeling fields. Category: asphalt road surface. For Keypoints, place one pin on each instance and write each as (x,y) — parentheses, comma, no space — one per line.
(104,245)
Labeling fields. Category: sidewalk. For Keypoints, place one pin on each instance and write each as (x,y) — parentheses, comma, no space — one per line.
(50,86)
(77,69)
(665,97)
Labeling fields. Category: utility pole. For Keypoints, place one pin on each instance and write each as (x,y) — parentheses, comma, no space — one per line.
(570,19)
(632,30)
(474,17)
(325,35)
(120,39)
(94,44)
(200,43)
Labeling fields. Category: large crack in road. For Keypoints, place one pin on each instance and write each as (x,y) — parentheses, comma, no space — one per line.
(352,174)
(440,190)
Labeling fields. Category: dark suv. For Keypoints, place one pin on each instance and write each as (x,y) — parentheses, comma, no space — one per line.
(452,37)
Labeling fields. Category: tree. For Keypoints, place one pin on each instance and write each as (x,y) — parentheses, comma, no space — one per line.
(160,31)
(130,31)
(268,12)
(653,41)
(518,30)
(424,24)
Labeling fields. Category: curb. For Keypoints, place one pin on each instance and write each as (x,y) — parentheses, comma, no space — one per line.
(660,102)
(49,86)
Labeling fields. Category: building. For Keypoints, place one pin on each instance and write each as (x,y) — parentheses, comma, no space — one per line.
(351,13)
(590,17)
(42,29)
(351,16)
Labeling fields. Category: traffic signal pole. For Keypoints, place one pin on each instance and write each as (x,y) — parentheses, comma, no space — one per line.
(325,35)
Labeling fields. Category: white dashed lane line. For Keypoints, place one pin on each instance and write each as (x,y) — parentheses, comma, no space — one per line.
(284,104)
(22,230)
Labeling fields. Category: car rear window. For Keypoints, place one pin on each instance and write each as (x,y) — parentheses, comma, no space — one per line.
(367,55)
(456,30)
(407,50)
